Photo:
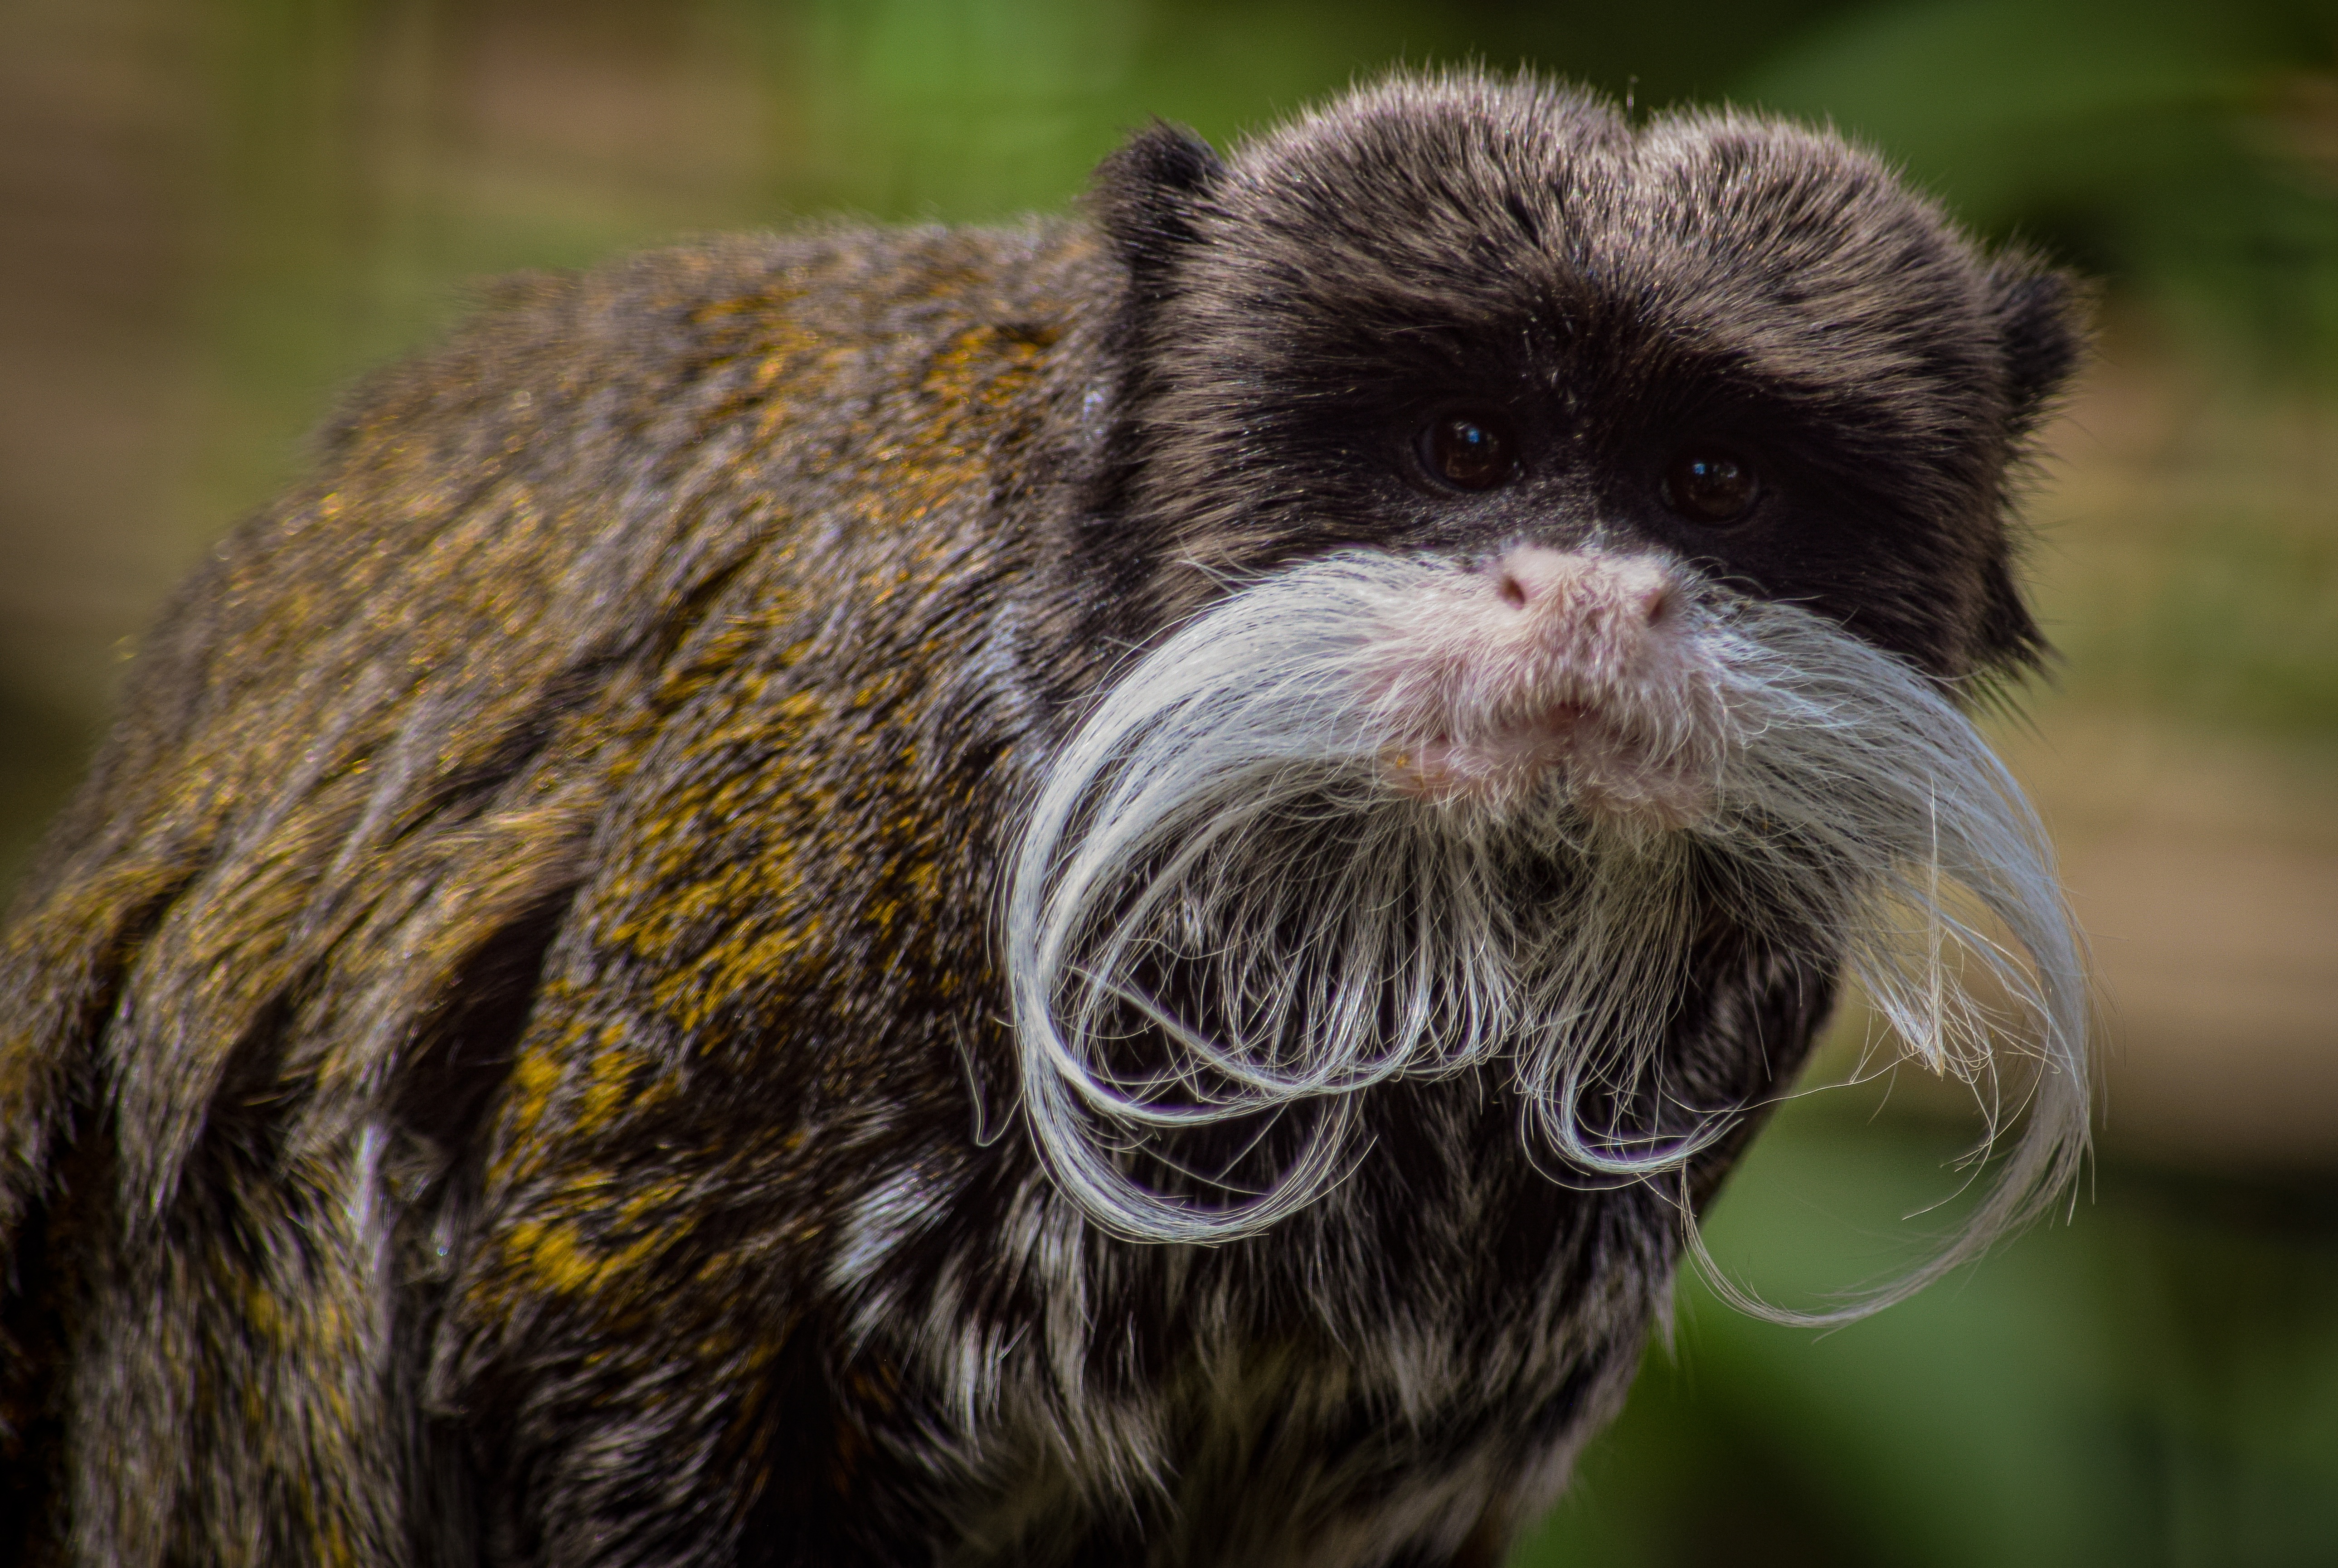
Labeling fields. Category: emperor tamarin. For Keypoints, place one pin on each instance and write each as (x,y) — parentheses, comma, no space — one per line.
(1096,893)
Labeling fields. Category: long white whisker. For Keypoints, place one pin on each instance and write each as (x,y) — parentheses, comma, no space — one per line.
(1224,822)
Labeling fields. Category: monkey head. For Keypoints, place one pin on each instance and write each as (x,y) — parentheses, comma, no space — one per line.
(1459,317)
(1568,536)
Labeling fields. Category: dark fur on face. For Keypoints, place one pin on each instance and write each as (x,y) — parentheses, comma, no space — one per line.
(526,1049)
(1621,294)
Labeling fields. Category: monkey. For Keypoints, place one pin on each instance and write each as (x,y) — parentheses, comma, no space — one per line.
(1100,892)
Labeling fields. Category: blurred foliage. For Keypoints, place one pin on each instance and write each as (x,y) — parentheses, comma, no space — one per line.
(322,179)
(2212,590)
(2235,622)
(2155,1383)
(2171,146)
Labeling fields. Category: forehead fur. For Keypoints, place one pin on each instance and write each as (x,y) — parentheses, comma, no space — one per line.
(1516,204)
(1292,312)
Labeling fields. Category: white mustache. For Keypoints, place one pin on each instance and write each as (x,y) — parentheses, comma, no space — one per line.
(1846,813)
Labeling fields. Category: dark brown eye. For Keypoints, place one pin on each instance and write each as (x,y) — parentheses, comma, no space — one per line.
(1469,451)
(1710,485)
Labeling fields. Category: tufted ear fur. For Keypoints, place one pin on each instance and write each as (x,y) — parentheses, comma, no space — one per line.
(2042,315)
(2042,326)
(1144,196)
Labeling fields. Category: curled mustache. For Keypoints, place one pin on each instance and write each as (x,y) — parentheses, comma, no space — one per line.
(1249,802)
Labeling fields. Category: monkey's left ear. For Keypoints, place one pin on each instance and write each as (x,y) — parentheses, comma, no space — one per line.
(2044,319)
(1146,195)
(2044,316)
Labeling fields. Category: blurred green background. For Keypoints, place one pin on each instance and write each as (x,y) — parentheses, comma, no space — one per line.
(213,215)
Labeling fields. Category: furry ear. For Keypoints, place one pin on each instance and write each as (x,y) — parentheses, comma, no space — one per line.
(1144,196)
(2043,315)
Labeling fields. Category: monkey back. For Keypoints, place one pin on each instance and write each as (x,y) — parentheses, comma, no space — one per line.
(638,618)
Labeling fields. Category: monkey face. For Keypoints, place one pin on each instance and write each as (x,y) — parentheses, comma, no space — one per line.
(1565,539)
(1472,318)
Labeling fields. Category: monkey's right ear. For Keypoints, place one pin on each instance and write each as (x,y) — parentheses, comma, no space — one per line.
(1146,195)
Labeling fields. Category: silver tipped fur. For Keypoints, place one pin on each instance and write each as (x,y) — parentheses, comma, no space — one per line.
(1854,816)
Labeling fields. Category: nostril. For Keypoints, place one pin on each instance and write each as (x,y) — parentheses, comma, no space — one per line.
(1656,603)
(1513,591)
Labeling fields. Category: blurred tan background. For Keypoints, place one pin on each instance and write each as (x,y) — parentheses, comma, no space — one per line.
(213,215)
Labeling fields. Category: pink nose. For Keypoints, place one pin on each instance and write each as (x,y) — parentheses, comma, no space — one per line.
(1557,587)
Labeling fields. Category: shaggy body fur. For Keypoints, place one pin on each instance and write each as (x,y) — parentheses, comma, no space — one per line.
(521,1052)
